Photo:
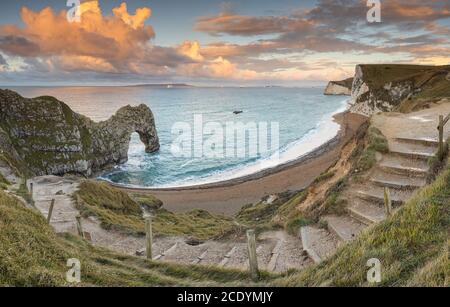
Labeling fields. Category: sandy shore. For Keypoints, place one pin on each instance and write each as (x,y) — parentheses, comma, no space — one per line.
(228,197)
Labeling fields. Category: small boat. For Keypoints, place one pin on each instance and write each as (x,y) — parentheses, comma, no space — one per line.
(238,112)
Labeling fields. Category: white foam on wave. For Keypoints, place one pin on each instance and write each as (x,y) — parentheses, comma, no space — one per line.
(324,131)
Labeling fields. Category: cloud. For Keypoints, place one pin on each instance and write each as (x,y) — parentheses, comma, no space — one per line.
(226,23)
(109,42)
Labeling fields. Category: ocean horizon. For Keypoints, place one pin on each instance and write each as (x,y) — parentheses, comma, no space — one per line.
(304,117)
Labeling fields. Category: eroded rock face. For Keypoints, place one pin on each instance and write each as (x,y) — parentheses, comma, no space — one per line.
(343,87)
(367,99)
(51,139)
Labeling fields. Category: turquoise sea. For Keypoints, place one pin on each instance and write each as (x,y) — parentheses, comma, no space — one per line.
(304,117)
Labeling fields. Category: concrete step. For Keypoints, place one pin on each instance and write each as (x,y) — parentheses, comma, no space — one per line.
(395,181)
(365,212)
(345,227)
(377,196)
(184,253)
(216,252)
(318,243)
(412,150)
(431,142)
(288,254)
(402,166)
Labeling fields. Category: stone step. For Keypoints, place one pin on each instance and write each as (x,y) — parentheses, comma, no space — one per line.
(345,227)
(215,253)
(402,166)
(413,154)
(318,243)
(394,181)
(377,196)
(365,212)
(184,253)
(431,142)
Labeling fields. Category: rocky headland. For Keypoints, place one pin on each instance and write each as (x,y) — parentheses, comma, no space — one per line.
(343,87)
(43,136)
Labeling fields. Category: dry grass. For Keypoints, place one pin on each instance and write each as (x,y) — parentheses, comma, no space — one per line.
(409,246)
(31,254)
(117,210)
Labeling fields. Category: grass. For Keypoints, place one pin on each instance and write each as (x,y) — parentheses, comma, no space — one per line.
(4,183)
(116,210)
(412,246)
(31,254)
(23,192)
(376,142)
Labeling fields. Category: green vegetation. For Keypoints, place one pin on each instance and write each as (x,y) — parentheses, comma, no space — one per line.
(31,254)
(117,210)
(412,246)
(376,142)
(324,176)
(3,183)
(23,192)
(259,216)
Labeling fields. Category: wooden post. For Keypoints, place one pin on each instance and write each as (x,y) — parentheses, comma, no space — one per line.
(50,211)
(252,258)
(31,192)
(387,202)
(149,236)
(441,137)
(79,226)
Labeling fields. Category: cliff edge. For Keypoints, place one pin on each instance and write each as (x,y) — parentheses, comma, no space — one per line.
(384,88)
(343,87)
(44,136)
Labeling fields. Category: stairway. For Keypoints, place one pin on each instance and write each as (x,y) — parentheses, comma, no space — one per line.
(276,252)
(403,170)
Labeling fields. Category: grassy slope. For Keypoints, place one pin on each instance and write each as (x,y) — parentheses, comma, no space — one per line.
(31,254)
(117,210)
(412,247)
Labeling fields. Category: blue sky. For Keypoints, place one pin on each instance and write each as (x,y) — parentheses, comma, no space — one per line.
(214,41)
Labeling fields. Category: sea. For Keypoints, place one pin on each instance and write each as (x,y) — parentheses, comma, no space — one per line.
(195,127)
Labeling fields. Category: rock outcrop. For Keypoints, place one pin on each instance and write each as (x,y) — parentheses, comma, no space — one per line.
(384,88)
(343,87)
(50,139)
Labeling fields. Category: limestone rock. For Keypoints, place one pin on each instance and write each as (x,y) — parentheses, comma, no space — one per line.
(343,87)
(51,139)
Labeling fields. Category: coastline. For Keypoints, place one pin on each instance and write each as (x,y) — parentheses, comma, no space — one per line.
(227,197)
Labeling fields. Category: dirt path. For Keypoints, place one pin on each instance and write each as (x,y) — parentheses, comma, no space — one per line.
(277,251)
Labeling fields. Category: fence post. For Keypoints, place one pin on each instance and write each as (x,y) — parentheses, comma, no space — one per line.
(252,258)
(31,193)
(79,226)
(441,137)
(50,211)
(149,236)
(387,202)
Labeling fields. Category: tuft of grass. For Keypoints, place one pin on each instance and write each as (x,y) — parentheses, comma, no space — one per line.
(31,254)
(116,210)
(376,142)
(23,192)
(404,243)
(324,176)
(4,183)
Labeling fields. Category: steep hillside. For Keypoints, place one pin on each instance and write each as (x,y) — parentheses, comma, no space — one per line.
(46,136)
(31,254)
(398,87)
(412,246)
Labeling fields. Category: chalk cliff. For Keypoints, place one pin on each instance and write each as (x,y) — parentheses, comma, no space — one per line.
(383,88)
(46,136)
(343,87)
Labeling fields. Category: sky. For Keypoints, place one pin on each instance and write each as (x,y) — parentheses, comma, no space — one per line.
(214,42)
